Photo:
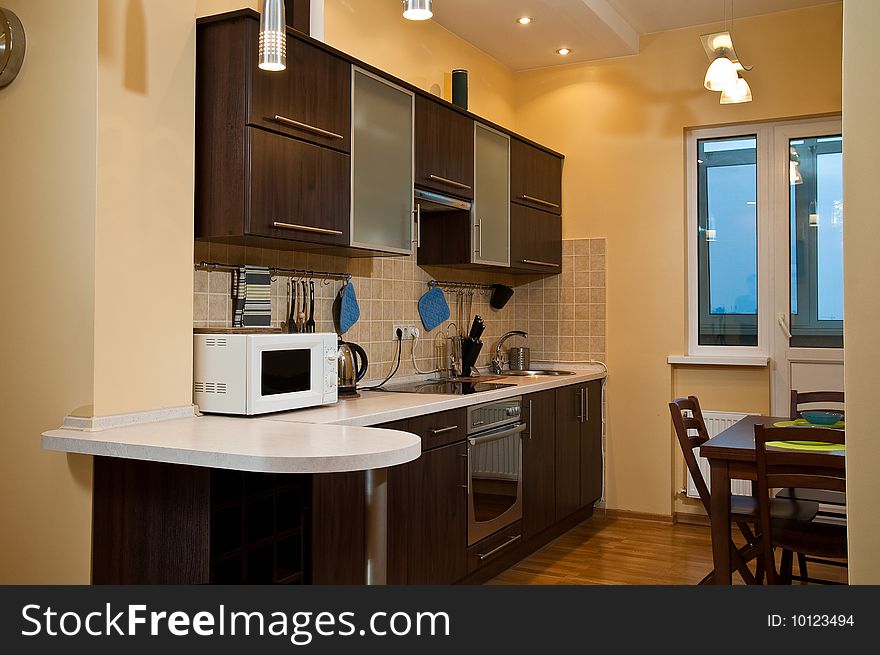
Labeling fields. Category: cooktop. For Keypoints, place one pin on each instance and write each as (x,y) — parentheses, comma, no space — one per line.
(449,387)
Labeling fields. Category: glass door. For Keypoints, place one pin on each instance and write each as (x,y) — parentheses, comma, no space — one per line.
(491,208)
(808,248)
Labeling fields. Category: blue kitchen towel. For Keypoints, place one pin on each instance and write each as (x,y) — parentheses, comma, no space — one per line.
(349,311)
(433,308)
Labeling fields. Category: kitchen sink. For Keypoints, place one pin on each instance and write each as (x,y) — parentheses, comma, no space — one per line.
(536,372)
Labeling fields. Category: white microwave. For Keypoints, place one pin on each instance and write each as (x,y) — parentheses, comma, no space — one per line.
(250,374)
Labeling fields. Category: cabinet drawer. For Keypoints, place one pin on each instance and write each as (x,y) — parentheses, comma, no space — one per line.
(535,177)
(298,191)
(441,428)
(310,100)
(493,547)
(535,240)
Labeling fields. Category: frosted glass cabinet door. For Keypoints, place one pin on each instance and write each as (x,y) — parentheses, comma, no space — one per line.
(491,208)
(382,165)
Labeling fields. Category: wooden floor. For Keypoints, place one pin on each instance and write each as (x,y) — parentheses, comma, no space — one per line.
(628,551)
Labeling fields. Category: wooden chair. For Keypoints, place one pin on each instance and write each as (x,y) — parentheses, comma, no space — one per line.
(687,415)
(831,500)
(786,468)
(799,398)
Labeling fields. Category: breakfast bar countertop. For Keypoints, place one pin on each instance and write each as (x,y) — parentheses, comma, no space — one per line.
(244,444)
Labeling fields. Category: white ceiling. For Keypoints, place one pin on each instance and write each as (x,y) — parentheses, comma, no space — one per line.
(593,29)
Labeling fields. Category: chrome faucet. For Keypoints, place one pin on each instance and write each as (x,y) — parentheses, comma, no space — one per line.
(498,359)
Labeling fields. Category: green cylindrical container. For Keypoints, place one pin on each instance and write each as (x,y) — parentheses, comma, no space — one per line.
(460,88)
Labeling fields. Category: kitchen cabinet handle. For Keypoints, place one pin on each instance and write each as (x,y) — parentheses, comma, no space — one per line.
(529,431)
(510,541)
(478,228)
(305,228)
(537,262)
(495,436)
(546,203)
(448,428)
(580,417)
(307,127)
(446,180)
(418,239)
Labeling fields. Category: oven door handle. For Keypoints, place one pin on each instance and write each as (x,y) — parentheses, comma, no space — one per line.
(476,441)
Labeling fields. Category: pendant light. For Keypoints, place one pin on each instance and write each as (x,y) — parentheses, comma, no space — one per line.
(417,9)
(273,36)
(739,92)
(724,69)
(721,75)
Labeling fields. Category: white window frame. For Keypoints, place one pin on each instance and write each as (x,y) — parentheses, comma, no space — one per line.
(764,152)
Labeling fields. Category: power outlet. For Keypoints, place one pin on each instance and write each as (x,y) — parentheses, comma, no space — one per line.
(406,329)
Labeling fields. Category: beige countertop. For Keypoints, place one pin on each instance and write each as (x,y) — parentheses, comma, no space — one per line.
(328,439)
(376,407)
(245,444)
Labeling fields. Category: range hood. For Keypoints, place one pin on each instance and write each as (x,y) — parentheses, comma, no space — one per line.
(429,201)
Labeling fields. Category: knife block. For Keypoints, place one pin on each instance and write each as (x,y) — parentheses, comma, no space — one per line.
(470,351)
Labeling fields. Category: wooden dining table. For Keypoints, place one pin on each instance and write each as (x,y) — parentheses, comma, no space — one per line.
(731,455)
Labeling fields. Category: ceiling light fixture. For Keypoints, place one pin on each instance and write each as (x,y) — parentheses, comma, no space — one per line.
(417,9)
(563,51)
(524,20)
(739,92)
(724,69)
(273,36)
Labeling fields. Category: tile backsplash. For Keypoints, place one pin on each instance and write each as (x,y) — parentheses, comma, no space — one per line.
(564,314)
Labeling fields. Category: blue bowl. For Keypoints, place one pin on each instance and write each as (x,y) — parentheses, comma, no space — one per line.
(817,417)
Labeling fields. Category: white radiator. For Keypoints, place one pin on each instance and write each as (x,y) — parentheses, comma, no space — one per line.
(715,423)
(496,460)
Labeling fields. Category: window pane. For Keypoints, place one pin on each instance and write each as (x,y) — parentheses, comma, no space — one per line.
(817,242)
(728,251)
(829,202)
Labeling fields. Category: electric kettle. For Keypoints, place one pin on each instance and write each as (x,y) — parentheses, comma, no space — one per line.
(352,363)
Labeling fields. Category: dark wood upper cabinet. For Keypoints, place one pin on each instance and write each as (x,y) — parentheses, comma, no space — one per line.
(535,177)
(539,463)
(310,100)
(535,240)
(297,190)
(444,149)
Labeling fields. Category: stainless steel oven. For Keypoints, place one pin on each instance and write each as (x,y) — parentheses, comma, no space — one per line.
(494,467)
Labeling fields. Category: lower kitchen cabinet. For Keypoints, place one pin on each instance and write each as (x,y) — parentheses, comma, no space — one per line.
(436,486)
(591,445)
(539,463)
(578,447)
(337,529)
(427,504)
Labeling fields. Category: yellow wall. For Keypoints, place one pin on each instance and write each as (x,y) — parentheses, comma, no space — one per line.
(862,354)
(621,123)
(421,52)
(143,258)
(47,176)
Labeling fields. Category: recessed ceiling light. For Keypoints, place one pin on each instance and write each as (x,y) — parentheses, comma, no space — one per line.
(563,51)
(524,20)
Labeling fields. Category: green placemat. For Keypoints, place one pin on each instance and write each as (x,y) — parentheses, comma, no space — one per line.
(804,423)
(807,445)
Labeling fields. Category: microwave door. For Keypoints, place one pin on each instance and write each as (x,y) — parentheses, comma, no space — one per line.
(285,376)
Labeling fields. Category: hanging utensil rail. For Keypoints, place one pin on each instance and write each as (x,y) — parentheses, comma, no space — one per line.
(459,287)
(325,276)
